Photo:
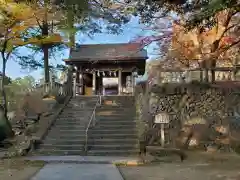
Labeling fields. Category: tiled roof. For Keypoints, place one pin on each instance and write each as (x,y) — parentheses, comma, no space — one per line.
(122,51)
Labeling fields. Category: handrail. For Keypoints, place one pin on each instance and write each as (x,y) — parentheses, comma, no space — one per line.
(92,119)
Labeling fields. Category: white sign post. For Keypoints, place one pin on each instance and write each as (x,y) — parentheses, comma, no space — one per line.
(162,118)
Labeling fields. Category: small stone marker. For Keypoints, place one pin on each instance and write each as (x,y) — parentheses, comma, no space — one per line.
(162,119)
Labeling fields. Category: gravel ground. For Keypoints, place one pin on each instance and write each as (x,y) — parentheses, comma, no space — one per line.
(14,169)
(210,168)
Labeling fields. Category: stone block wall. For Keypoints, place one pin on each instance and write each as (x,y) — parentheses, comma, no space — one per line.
(202,115)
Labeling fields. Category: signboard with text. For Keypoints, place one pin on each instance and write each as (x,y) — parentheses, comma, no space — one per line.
(162,118)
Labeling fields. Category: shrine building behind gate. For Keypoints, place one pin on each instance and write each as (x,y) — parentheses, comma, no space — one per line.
(107,69)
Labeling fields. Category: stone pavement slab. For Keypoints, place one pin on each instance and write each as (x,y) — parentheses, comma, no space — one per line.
(84,159)
(73,171)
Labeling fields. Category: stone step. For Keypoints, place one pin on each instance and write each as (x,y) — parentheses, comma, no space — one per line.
(83,100)
(118,123)
(70,123)
(114,113)
(113,126)
(77,101)
(76,114)
(81,104)
(64,147)
(77,117)
(113,152)
(113,136)
(58,152)
(117,105)
(64,137)
(117,108)
(125,117)
(90,141)
(112,131)
(110,147)
(69,136)
(78,109)
(115,119)
(74,103)
(71,129)
(85,97)
(67,131)
(57,134)
(93,131)
(66,127)
(119,99)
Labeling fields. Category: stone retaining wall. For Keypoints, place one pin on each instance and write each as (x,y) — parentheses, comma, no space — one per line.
(202,115)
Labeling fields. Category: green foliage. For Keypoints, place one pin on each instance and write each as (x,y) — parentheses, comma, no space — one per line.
(16,89)
(7,80)
(197,11)
(24,83)
(82,16)
(209,10)
(87,13)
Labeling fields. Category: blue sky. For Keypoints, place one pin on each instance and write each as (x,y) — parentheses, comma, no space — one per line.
(130,30)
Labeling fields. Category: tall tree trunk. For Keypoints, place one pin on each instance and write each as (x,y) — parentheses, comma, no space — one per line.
(9,126)
(45,47)
(71,27)
(2,85)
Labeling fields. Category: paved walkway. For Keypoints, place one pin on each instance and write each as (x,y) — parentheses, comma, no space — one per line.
(80,167)
(78,172)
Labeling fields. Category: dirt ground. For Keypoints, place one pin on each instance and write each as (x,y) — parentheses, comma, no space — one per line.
(15,169)
(196,168)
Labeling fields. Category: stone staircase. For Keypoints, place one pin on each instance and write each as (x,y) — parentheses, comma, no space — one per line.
(67,135)
(115,132)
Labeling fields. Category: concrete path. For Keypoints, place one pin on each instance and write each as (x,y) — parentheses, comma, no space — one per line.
(78,172)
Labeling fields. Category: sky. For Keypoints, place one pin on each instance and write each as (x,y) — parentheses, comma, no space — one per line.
(130,30)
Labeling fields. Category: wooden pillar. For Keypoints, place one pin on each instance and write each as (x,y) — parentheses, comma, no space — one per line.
(80,81)
(74,84)
(133,83)
(77,81)
(94,83)
(119,82)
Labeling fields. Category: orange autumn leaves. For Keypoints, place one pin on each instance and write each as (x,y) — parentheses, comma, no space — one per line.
(192,45)
(18,18)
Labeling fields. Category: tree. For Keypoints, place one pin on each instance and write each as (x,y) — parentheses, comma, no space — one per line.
(7,80)
(214,44)
(14,23)
(24,83)
(72,16)
(212,40)
(16,90)
(18,20)
(210,10)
